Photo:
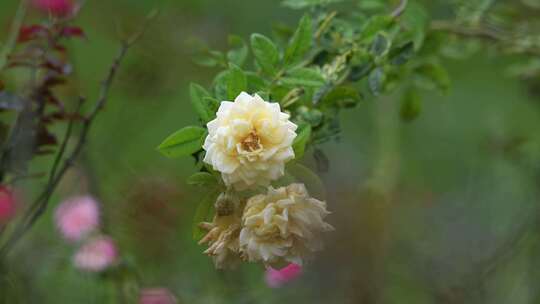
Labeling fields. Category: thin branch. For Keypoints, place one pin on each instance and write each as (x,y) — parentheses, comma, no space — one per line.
(14,33)
(399,9)
(41,203)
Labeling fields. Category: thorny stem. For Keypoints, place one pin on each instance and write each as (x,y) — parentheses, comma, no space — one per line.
(40,204)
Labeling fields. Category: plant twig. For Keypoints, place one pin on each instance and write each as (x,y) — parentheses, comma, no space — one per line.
(58,170)
(14,33)
(399,9)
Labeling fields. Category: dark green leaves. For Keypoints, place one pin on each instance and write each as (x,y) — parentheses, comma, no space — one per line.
(236,82)
(411,105)
(374,25)
(204,105)
(184,142)
(299,144)
(266,53)
(307,77)
(416,20)
(301,42)
(342,97)
(380,46)
(309,178)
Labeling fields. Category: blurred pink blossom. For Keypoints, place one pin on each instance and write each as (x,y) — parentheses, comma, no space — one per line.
(8,206)
(58,8)
(96,255)
(277,278)
(157,296)
(77,217)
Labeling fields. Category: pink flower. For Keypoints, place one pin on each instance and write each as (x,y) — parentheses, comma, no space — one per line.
(77,217)
(96,255)
(7,205)
(58,8)
(277,278)
(157,296)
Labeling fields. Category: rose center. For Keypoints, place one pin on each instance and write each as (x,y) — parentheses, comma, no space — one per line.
(251,143)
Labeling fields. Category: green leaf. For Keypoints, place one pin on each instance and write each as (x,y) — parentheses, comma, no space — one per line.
(374,25)
(304,175)
(402,54)
(380,46)
(236,82)
(266,53)
(240,51)
(376,81)
(308,77)
(220,85)
(184,142)
(204,105)
(204,212)
(301,4)
(411,105)
(433,76)
(416,19)
(255,82)
(201,179)
(300,42)
(210,58)
(342,97)
(299,144)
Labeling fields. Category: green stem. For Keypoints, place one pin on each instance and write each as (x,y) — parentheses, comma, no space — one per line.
(14,34)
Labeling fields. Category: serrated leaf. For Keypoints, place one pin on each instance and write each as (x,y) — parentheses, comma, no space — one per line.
(411,105)
(310,179)
(301,4)
(300,43)
(380,46)
(204,212)
(265,52)
(376,81)
(201,179)
(299,144)
(308,77)
(204,105)
(183,142)
(236,82)
(238,55)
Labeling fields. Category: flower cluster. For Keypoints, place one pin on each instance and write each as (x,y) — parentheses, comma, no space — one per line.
(77,219)
(248,143)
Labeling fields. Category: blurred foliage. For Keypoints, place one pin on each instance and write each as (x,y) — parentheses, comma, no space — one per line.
(434,196)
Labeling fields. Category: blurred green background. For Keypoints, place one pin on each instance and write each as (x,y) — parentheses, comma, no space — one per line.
(454,220)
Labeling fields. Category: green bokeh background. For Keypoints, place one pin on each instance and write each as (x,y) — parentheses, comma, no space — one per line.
(457,223)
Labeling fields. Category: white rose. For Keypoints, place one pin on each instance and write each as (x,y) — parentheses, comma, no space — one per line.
(282,226)
(249,142)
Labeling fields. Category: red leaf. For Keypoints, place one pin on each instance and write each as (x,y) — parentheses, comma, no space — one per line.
(32,32)
(72,31)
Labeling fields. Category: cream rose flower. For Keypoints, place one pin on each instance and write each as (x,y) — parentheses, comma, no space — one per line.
(222,240)
(249,142)
(223,232)
(282,226)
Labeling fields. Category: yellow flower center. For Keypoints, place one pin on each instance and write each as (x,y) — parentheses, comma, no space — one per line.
(251,143)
